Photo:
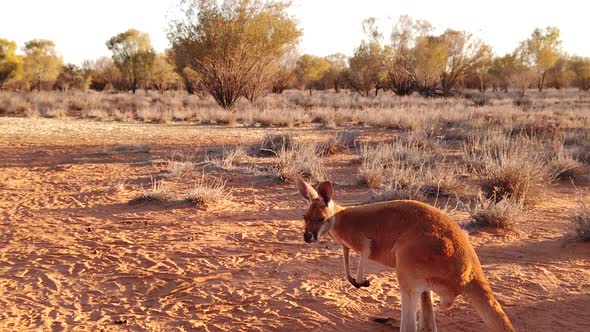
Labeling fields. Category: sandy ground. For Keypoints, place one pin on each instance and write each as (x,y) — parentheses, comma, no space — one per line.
(75,256)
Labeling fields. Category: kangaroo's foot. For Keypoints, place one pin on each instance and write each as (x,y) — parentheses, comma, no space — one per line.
(387,321)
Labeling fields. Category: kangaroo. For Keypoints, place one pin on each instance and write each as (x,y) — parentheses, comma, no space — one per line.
(429,251)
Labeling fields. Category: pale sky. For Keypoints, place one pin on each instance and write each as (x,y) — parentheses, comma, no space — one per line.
(80,28)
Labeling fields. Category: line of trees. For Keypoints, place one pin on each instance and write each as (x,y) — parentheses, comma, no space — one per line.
(233,49)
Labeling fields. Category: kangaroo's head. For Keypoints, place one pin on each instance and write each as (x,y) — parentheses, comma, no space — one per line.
(319,217)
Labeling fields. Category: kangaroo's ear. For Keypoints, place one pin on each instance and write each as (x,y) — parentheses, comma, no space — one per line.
(306,190)
(326,191)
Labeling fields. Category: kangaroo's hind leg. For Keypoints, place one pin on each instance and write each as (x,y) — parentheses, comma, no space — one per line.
(409,305)
(427,321)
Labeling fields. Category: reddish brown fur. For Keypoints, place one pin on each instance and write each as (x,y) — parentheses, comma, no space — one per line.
(428,249)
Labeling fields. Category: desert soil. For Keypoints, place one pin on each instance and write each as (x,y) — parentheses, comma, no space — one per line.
(75,256)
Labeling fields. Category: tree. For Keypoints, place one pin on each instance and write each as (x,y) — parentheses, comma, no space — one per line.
(366,68)
(234,45)
(500,71)
(521,77)
(162,75)
(41,63)
(105,75)
(581,69)
(309,71)
(399,56)
(73,77)
(465,55)
(283,78)
(11,65)
(431,58)
(334,77)
(561,74)
(133,55)
(541,51)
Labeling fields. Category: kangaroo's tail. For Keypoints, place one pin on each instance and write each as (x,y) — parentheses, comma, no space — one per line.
(479,294)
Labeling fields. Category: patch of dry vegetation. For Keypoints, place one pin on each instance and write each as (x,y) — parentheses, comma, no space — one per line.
(406,168)
(494,212)
(302,159)
(273,143)
(157,192)
(208,192)
(514,167)
(229,157)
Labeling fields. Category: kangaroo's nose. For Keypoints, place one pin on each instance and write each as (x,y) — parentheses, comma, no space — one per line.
(308,236)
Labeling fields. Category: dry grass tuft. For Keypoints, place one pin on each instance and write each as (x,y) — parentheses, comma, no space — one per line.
(229,157)
(494,212)
(156,193)
(565,167)
(339,143)
(515,167)
(205,193)
(273,143)
(581,219)
(300,160)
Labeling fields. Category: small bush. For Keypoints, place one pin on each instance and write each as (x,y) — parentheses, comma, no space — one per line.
(480,100)
(523,102)
(581,219)
(273,143)
(205,192)
(229,157)
(494,212)
(156,193)
(300,160)
(514,167)
(565,167)
(396,191)
(339,143)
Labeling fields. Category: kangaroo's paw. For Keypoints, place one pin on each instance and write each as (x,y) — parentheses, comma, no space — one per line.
(365,283)
(387,321)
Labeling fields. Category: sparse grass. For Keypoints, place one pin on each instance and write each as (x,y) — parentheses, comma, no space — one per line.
(273,143)
(229,157)
(581,220)
(565,167)
(205,193)
(301,160)
(340,142)
(515,167)
(156,193)
(494,212)
(406,168)
(119,185)
(179,164)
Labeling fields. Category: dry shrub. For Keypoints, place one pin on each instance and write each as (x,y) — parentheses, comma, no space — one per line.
(156,193)
(204,193)
(581,219)
(274,117)
(54,113)
(494,212)
(565,167)
(523,102)
(340,142)
(406,168)
(229,157)
(300,160)
(179,163)
(480,100)
(94,113)
(582,153)
(273,143)
(394,192)
(515,167)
